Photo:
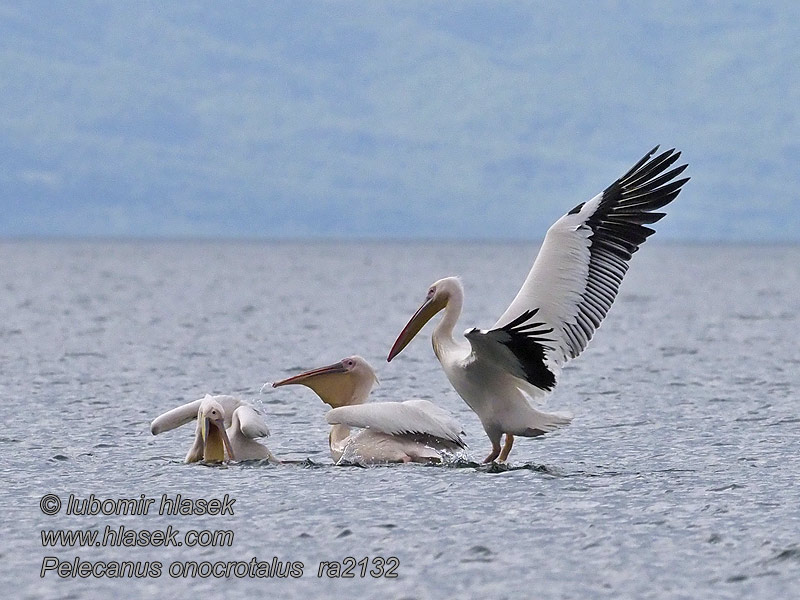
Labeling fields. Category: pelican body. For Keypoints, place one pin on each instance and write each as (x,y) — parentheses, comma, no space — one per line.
(570,288)
(387,432)
(227,428)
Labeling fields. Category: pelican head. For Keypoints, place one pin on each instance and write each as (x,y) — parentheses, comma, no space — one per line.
(214,439)
(348,381)
(439,294)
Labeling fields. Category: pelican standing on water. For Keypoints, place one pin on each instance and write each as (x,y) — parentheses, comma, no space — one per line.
(225,425)
(567,293)
(410,431)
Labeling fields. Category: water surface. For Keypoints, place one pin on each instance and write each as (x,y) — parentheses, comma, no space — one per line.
(677,478)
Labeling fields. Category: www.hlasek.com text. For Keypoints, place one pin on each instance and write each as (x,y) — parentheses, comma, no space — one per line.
(126,537)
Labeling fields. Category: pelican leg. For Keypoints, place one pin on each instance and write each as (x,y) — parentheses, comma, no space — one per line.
(506,447)
(493,454)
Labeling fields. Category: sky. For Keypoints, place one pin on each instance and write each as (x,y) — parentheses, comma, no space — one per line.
(391,120)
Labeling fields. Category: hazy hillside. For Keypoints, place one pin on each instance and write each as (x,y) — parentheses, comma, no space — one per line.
(396,119)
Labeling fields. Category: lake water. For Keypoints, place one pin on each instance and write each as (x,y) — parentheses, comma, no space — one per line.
(678,477)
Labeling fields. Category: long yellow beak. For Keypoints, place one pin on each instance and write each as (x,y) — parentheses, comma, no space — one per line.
(424,314)
(220,425)
(334,384)
(304,377)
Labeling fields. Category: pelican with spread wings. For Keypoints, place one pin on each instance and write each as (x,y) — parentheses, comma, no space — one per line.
(226,427)
(570,288)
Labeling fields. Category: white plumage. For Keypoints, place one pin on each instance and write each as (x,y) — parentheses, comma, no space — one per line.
(237,424)
(412,417)
(410,431)
(568,292)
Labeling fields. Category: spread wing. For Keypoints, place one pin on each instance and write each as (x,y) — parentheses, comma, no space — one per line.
(251,423)
(396,418)
(188,412)
(577,274)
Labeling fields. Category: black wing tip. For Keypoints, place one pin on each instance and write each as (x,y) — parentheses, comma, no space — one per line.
(672,154)
(508,327)
(679,169)
(577,209)
(647,183)
(650,154)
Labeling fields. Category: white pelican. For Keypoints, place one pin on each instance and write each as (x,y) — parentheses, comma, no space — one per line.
(224,425)
(411,431)
(566,295)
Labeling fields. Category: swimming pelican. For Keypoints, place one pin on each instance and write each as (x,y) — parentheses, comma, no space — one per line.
(225,424)
(571,286)
(410,431)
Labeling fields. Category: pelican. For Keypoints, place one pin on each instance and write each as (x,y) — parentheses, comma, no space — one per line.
(225,425)
(410,431)
(568,291)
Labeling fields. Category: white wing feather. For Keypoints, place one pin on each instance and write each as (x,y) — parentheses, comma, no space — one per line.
(557,279)
(188,412)
(175,417)
(395,418)
(576,275)
(251,423)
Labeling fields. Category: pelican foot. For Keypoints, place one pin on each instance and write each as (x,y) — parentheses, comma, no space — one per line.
(506,448)
(493,454)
